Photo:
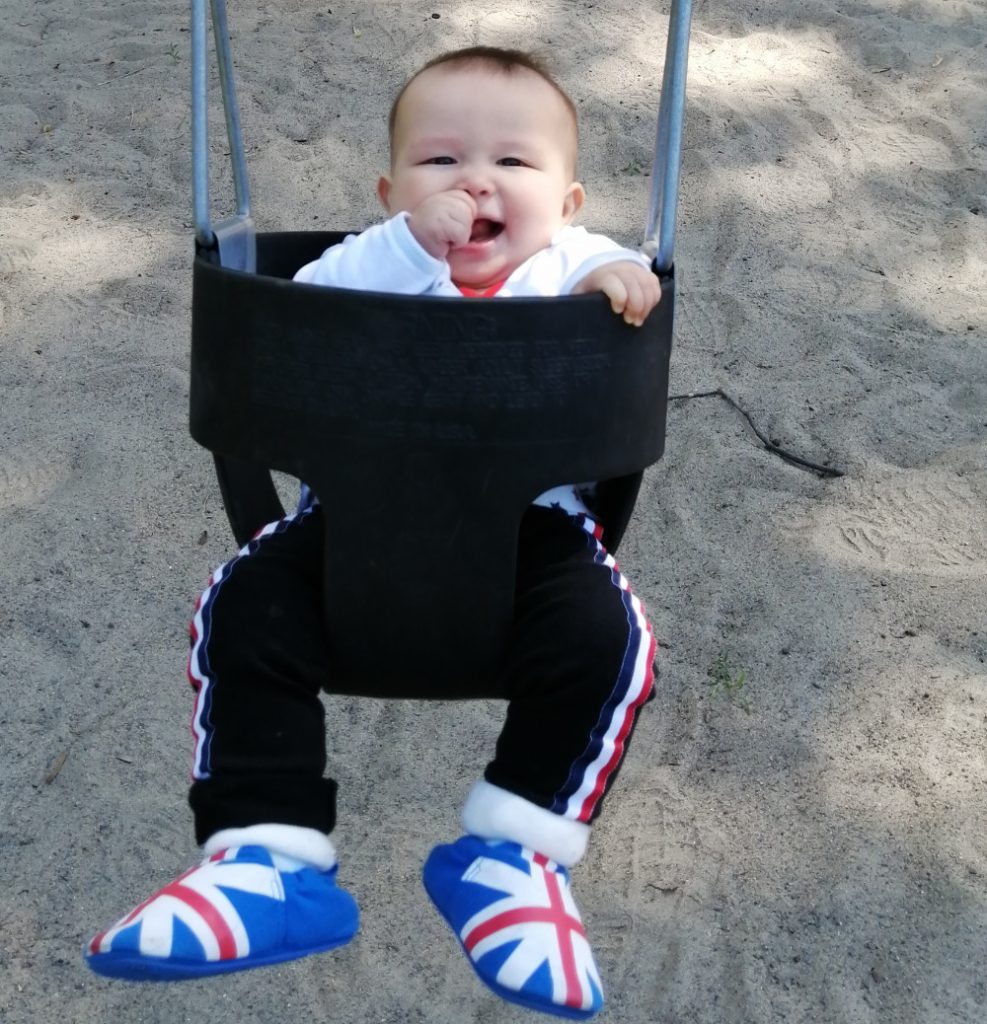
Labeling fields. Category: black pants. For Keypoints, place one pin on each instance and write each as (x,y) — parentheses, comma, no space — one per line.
(579,667)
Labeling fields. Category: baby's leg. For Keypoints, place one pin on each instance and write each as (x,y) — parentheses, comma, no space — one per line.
(258,664)
(578,669)
(263,810)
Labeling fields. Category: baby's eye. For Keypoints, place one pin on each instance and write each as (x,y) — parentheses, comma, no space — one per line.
(510,161)
(441,161)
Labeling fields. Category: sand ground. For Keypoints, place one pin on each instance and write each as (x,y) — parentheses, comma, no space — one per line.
(800,836)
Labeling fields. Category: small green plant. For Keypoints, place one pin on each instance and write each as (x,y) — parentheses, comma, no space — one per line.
(174,53)
(727,682)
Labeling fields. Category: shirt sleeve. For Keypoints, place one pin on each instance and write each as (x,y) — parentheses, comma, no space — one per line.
(573,254)
(384,258)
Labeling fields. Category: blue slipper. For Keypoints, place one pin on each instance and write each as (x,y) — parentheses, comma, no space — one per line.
(514,915)
(234,911)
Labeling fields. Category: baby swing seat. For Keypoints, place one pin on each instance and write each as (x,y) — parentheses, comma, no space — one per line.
(425,426)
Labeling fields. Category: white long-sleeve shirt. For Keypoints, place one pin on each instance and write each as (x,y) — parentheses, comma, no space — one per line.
(388,258)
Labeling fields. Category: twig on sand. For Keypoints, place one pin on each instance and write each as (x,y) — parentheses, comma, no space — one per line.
(56,767)
(126,74)
(796,460)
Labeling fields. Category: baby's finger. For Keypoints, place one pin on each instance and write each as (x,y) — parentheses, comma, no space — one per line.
(632,309)
(458,228)
(636,308)
(616,291)
(654,291)
(645,297)
(464,205)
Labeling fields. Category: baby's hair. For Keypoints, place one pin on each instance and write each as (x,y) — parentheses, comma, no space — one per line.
(493,58)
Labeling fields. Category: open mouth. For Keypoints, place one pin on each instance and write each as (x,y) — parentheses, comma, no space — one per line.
(484,230)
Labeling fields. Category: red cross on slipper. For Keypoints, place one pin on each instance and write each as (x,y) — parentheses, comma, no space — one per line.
(513,913)
(234,911)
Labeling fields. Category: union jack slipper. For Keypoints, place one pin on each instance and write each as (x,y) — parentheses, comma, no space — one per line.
(514,915)
(234,911)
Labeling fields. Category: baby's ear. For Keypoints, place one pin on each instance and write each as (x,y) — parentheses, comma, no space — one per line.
(384,191)
(572,203)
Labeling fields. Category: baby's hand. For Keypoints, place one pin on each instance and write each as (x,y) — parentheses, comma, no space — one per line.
(632,289)
(443,221)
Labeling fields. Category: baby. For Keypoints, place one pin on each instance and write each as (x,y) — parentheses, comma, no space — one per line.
(482,186)
(482,195)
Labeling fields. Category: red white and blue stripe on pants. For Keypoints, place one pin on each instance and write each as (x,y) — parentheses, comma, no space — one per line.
(592,771)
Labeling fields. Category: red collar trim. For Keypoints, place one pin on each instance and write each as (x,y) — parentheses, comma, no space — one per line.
(481,293)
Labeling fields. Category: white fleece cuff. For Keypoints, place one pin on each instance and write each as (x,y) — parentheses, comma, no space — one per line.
(494,813)
(308,845)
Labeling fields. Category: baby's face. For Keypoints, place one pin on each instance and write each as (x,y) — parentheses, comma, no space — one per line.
(509,140)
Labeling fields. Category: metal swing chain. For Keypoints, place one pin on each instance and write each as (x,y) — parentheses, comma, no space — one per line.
(659,230)
(233,237)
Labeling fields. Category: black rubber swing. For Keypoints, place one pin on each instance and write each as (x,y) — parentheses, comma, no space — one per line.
(424,425)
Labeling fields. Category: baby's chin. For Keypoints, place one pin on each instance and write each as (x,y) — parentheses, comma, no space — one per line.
(469,274)
(471,269)
(480,282)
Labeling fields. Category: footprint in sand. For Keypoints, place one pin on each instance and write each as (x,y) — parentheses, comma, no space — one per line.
(667,866)
(16,258)
(26,480)
(917,521)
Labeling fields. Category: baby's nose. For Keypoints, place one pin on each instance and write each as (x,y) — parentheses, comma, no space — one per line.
(477,182)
